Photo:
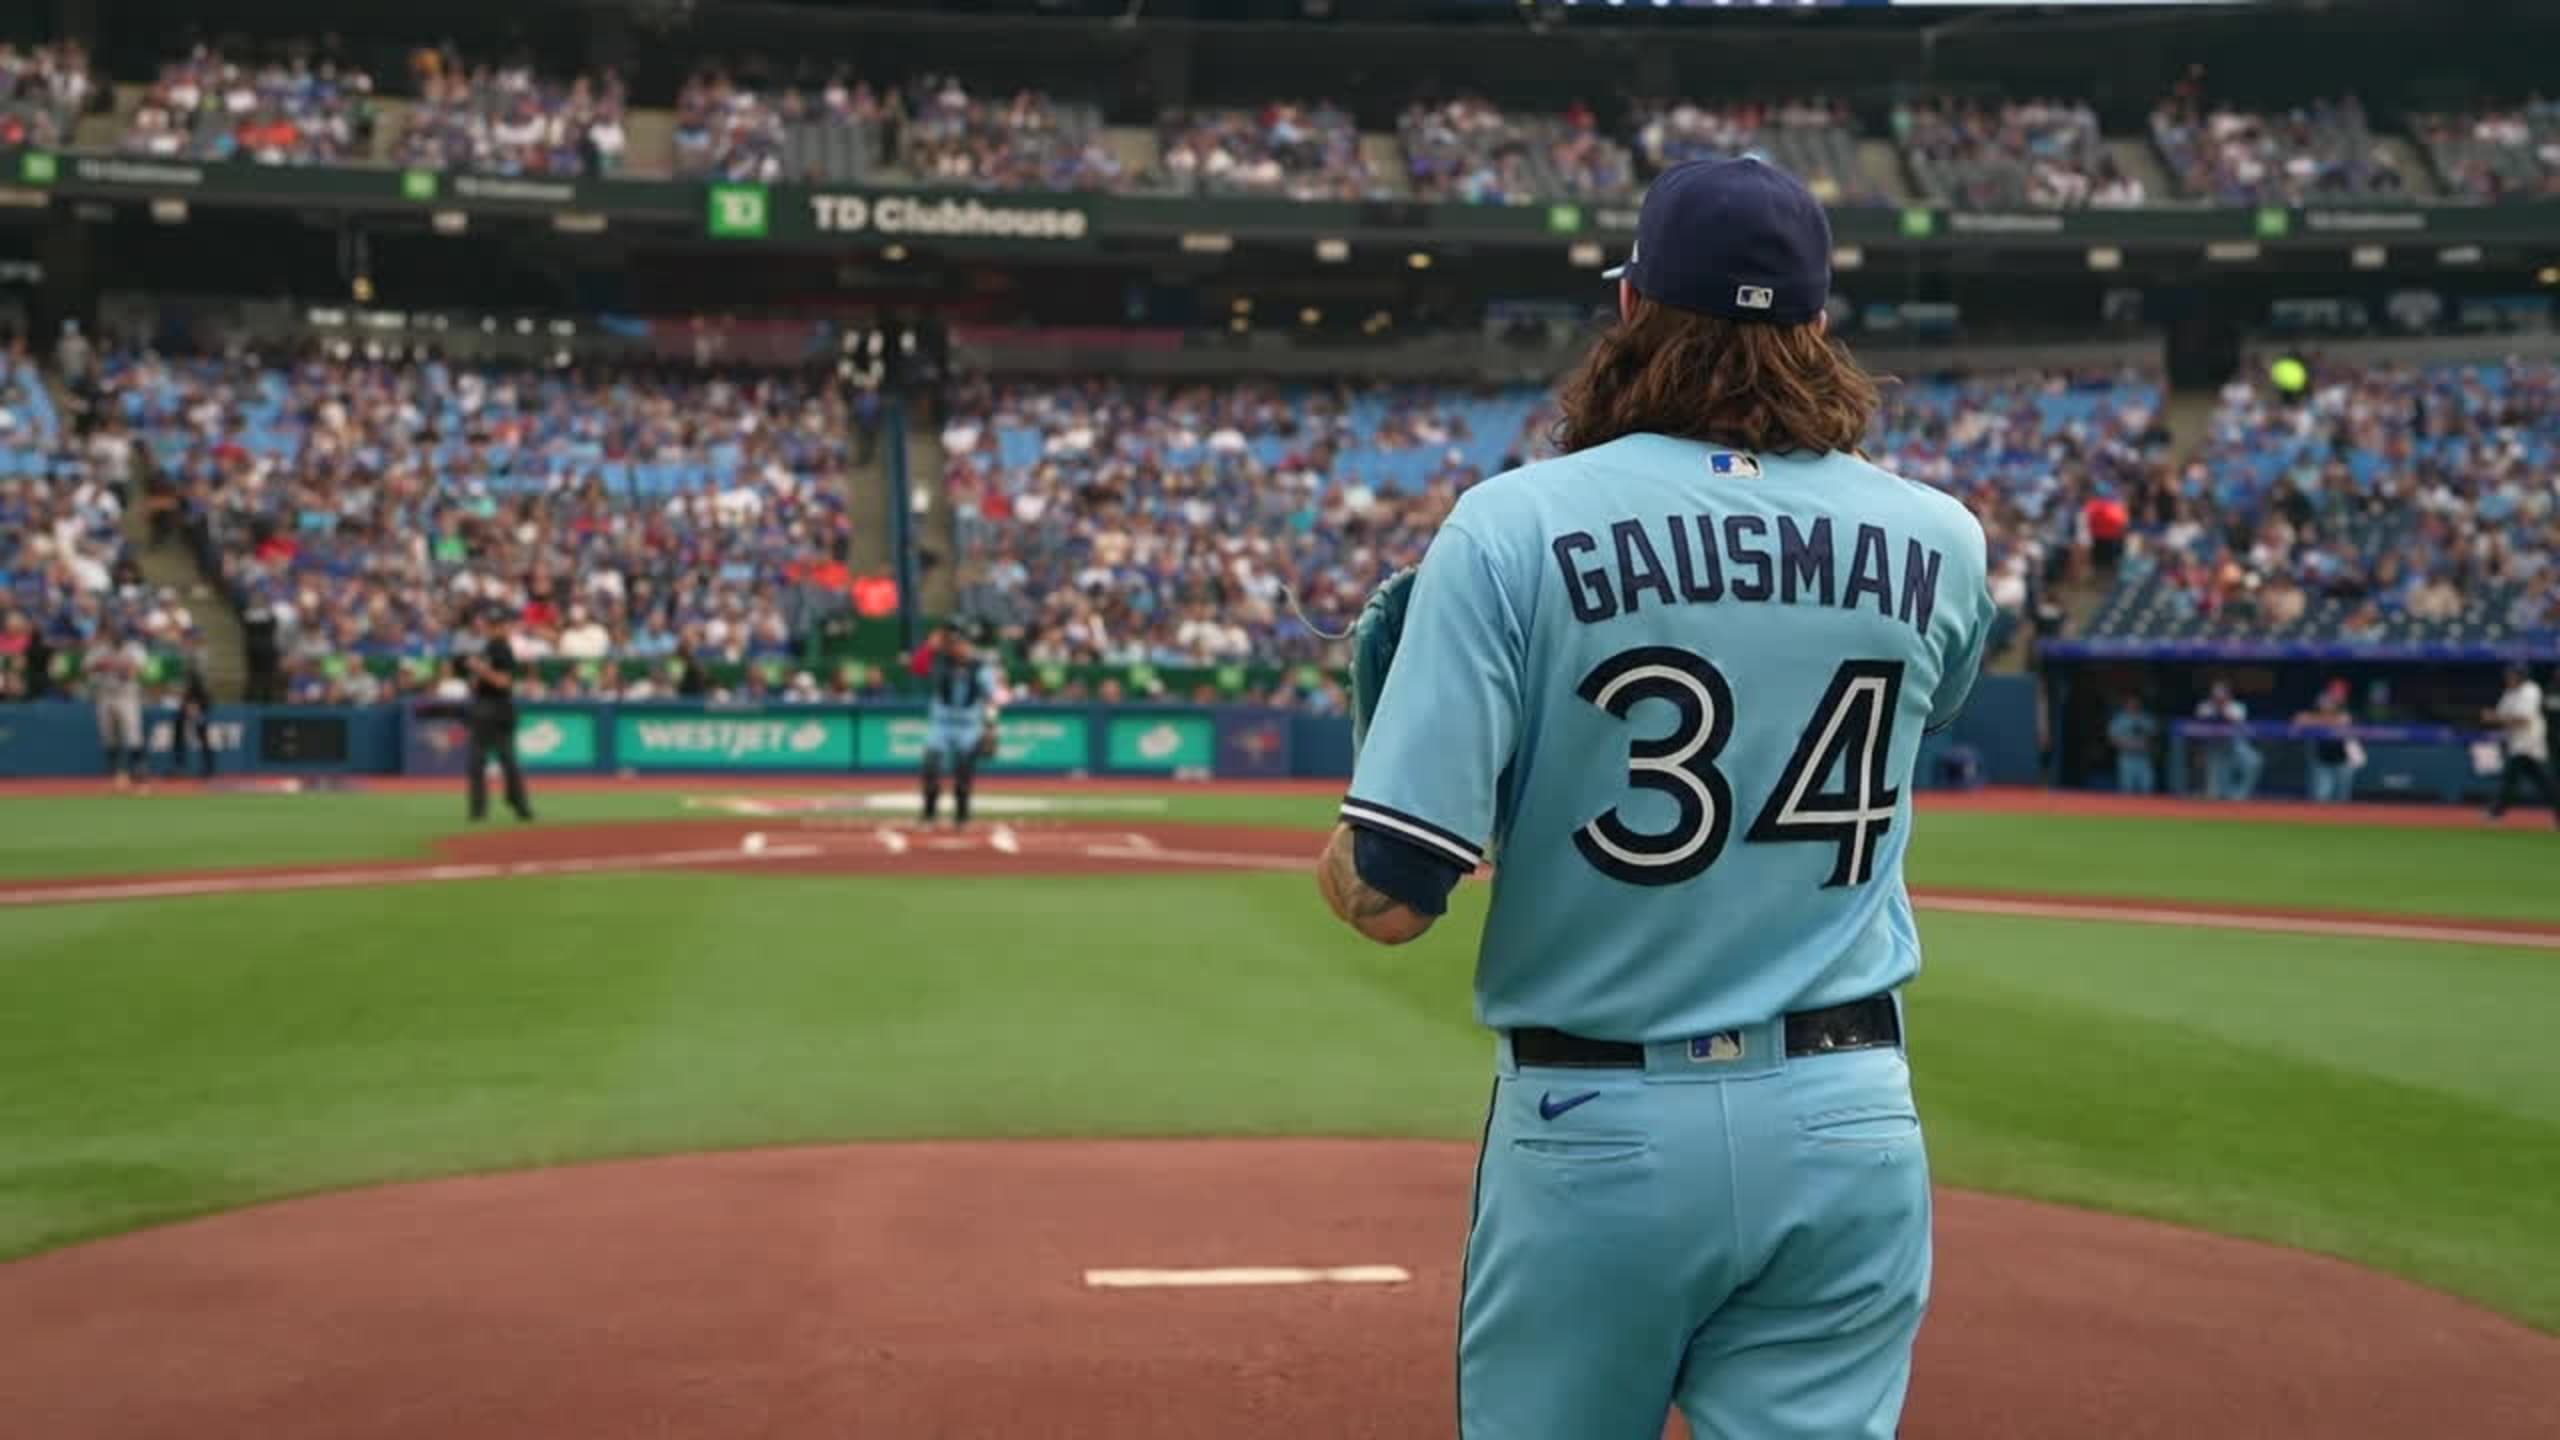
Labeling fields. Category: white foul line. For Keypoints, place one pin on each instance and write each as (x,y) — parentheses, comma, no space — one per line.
(1245,1275)
(1237,859)
(2137,914)
(407,875)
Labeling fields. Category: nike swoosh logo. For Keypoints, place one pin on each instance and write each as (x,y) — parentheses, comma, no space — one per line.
(1549,1107)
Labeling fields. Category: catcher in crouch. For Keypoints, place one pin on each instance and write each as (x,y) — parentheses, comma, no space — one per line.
(963,695)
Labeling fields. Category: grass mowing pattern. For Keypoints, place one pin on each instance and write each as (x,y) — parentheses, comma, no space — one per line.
(166,1058)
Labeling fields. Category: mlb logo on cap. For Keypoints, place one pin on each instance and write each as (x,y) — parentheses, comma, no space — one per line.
(1755,297)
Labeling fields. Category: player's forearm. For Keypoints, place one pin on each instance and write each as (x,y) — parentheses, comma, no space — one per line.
(1357,903)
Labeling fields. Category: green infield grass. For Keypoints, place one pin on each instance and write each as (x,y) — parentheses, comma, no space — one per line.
(2384,1101)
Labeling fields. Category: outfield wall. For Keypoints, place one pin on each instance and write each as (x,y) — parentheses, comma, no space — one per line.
(1996,739)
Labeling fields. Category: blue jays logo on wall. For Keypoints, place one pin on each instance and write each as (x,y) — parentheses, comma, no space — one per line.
(443,737)
(1256,746)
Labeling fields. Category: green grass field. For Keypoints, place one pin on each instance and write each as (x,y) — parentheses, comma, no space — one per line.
(2391,1102)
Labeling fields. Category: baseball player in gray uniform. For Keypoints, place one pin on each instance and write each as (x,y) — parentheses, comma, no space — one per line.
(114,670)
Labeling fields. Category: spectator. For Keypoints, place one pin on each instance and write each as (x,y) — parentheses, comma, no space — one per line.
(2232,761)
(2335,756)
(2131,734)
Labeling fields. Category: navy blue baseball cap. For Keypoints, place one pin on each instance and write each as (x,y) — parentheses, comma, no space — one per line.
(1738,238)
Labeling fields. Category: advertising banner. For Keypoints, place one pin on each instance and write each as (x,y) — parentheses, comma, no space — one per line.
(556,739)
(717,740)
(894,740)
(1170,743)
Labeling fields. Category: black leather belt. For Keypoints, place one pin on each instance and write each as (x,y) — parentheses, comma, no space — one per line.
(1859,1025)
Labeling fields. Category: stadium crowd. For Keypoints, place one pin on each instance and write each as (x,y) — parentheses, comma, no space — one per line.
(368,506)
(2042,153)
(2319,151)
(2510,153)
(290,110)
(1124,524)
(1299,151)
(304,107)
(2389,503)
(43,90)
(1025,141)
(727,131)
(506,120)
(68,575)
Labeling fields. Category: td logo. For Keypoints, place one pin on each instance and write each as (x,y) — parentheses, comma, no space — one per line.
(740,212)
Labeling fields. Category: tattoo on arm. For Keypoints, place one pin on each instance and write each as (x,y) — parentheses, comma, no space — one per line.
(1356,903)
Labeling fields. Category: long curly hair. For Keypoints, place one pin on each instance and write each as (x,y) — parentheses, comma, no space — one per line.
(1666,371)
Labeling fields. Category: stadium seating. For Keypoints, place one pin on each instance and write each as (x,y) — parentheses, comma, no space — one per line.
(43,89)
(2399,504)
(66,566)
(1300,151)
(2042,154)
(293,110)
(1123,523)
(1813,139)
(1169,526)
(727,131)
(508,121)
(2502,154)
(1027,141)
(368,505)
(2320,151)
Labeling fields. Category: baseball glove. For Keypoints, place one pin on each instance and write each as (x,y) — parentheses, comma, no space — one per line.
(1374,637)
(987,743)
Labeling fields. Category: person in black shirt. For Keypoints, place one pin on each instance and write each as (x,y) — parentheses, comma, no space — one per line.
(194,724)
(491,669)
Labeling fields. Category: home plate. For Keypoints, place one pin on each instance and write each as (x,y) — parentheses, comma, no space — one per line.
(1246,1275)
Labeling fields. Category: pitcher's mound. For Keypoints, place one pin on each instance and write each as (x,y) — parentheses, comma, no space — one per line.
(914,1291)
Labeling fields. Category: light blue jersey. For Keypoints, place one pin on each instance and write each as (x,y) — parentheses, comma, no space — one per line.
(958,696)
(1677,694)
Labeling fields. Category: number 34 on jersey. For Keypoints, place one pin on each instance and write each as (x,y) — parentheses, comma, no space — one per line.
(1850,731)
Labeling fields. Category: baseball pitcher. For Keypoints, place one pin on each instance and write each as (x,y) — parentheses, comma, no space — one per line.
(1673,685)
(963,693)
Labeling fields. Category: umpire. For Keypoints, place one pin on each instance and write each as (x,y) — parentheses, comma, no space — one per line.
(490,666)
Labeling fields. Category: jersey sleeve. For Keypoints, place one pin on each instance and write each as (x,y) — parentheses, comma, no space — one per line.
(1450,712)
(1964,659)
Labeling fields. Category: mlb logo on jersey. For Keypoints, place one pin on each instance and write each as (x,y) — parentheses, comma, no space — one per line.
(1734,465)
(1722,1046)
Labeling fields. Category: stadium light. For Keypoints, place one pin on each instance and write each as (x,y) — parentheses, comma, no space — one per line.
(1239,325)
(1419,259)
(1333,250)
(894,254)
(1310,316)
(2550,275)
(2369,257)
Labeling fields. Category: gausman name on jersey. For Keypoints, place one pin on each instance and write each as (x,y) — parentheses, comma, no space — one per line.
(1705,559)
